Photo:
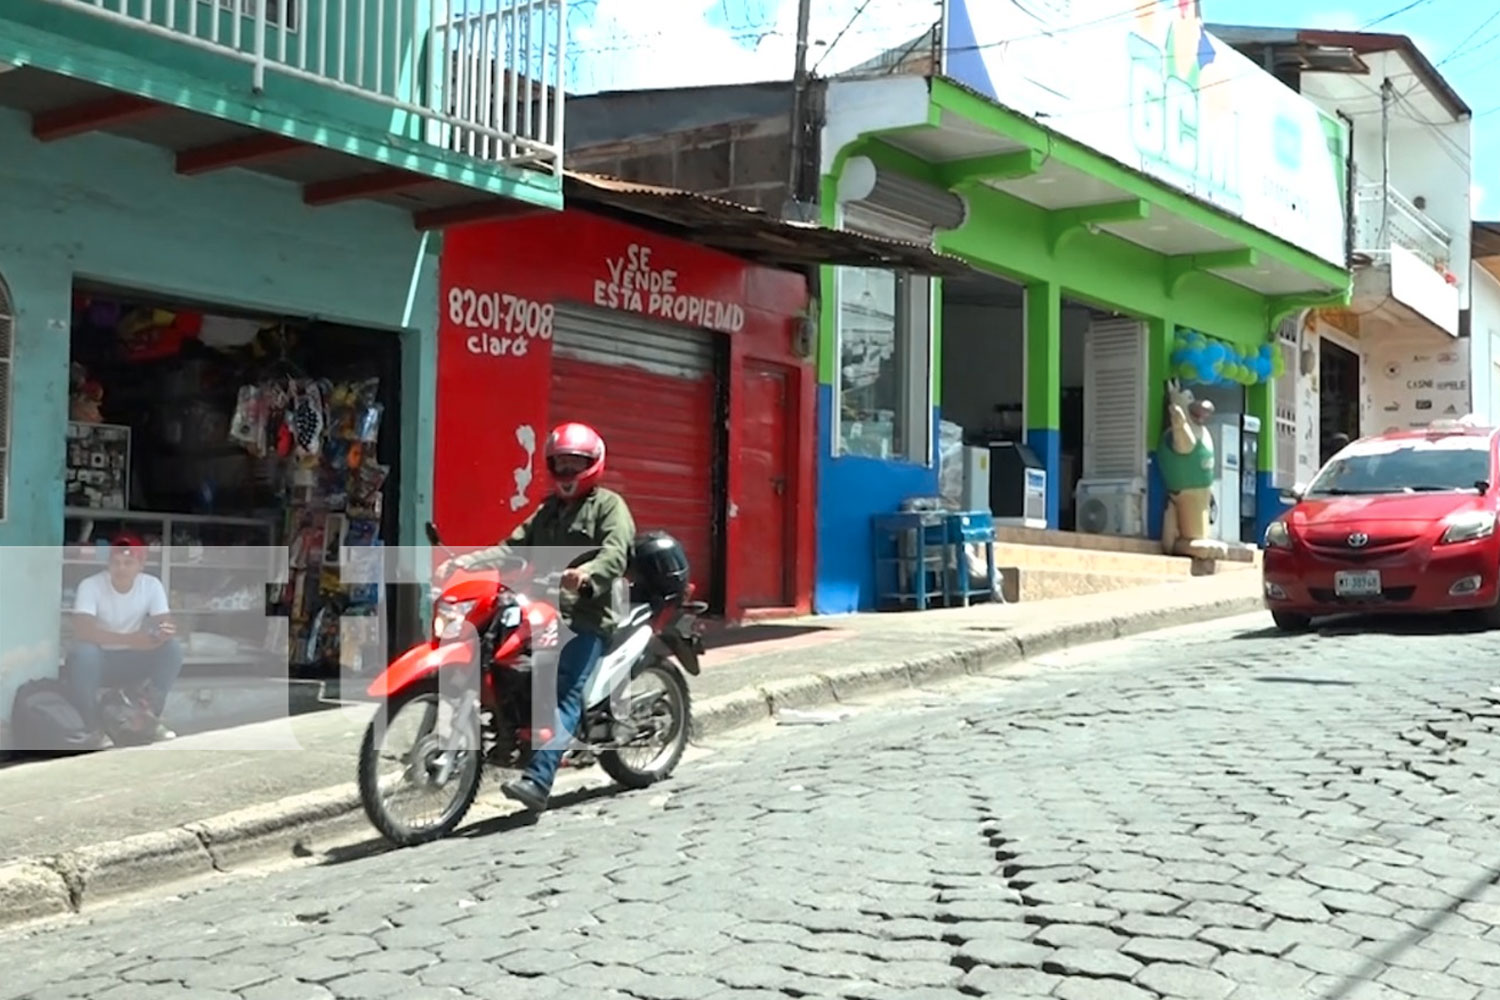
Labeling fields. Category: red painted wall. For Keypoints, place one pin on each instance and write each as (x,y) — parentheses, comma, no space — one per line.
(499,284)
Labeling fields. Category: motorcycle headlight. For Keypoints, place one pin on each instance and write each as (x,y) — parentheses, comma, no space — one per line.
(1468,526)
(1278,536)
(510,617)
(448,618)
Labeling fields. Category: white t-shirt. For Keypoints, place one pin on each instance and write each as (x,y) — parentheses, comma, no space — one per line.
(119,612)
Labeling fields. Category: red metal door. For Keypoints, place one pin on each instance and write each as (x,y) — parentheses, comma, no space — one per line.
(765,558)
(651,393)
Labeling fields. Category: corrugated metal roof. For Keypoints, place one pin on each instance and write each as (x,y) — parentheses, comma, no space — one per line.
(752,233)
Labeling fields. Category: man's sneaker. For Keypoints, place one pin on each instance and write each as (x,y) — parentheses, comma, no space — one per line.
(527,792)
(163,733)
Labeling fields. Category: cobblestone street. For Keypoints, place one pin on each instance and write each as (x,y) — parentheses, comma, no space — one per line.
(1221,812)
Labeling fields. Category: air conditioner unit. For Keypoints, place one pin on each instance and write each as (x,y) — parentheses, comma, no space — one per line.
(1111,506)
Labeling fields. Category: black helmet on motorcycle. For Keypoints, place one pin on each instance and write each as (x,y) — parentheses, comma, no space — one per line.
(659,567)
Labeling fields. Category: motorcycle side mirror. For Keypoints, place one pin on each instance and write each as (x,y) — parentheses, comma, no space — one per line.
(432,534)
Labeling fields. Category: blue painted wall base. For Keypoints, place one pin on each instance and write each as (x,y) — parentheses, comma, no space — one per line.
(1268,505)
(1047,443)
(1156,499)
(851,491)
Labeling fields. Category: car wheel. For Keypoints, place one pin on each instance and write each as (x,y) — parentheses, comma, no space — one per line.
(1490,616)
(1289,621)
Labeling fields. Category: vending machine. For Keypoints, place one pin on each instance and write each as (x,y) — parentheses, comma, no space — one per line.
(1224,521)
(1249,477)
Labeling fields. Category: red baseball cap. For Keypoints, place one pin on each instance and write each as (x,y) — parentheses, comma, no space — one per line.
(130,542)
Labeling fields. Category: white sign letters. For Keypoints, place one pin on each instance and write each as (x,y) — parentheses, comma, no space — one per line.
(634,285)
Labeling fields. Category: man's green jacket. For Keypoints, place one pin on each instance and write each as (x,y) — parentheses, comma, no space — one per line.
(601,520)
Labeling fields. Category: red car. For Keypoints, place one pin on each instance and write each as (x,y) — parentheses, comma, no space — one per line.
(1401,522)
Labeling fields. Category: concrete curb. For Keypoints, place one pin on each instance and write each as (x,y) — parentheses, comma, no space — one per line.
(56,885)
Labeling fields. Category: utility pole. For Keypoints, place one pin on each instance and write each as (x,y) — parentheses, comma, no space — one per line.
(795,195)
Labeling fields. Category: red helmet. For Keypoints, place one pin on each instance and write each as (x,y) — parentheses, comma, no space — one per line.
(576,441)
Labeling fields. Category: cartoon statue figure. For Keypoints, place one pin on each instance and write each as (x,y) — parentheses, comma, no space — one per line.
(526,437)
(1185,458)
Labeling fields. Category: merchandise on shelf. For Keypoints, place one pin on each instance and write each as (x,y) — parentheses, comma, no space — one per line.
(98,466)
(327,432)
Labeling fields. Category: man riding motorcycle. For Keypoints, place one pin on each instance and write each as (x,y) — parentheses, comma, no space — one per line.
(579,512)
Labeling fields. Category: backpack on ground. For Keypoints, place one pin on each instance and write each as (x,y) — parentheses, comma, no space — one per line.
(128,720)
(44,719)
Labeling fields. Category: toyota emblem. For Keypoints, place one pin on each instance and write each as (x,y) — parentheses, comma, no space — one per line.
(1359,540)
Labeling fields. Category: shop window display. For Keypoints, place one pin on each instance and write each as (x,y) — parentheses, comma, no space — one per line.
(217,438)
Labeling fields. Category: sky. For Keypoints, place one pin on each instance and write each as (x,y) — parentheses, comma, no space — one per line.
(614,45)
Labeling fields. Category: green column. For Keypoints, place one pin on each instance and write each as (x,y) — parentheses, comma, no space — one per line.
(1044,386)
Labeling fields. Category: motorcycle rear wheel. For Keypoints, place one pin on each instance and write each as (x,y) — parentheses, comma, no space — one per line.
(675,696)
(465,780)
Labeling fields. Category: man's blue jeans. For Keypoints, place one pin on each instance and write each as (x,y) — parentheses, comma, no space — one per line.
(92,668)
(575,663)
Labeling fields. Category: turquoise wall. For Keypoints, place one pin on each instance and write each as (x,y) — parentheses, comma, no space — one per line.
(112,210)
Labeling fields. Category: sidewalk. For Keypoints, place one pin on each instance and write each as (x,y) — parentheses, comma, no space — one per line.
(51,808)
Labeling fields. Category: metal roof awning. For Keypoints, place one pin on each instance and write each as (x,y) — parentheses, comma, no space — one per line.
(752,233)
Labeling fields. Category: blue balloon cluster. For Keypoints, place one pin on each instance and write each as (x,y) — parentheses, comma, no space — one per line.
(1197,358)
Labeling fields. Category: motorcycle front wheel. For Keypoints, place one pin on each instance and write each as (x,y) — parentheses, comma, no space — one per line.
(430,766)
(660,717)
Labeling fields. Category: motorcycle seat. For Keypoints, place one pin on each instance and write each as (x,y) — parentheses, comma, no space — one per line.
(638,615)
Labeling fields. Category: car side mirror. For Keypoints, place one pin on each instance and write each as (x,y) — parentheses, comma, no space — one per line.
(1295,493)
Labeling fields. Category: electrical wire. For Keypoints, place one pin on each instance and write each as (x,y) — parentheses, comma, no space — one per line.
(926,36)
(1471,36)
(1395,13)
(858,13)
(760,32)
(763,31)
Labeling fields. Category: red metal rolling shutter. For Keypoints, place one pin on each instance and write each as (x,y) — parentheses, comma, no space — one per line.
(651,391)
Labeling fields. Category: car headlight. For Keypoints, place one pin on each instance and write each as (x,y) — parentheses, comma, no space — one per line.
(1468,526)
(1278,536)
(448,618)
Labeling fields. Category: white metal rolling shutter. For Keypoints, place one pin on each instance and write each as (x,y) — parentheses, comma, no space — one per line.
(651,390)
(861,217)
(1286,402)
(1114,400)
(621,338)
(7,357)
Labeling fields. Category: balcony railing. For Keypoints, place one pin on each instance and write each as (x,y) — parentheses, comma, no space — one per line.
(482,77)
(1382,217)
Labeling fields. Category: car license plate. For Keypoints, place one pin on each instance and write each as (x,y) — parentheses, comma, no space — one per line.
(1360,583)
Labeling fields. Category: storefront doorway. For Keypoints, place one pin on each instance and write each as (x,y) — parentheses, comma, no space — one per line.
(1338,383)
(655,393)
(985,401)
(221,438)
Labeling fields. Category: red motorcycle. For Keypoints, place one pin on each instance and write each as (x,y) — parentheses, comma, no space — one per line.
(469,689)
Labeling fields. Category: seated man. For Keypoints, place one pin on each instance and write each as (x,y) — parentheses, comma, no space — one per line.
(123,636)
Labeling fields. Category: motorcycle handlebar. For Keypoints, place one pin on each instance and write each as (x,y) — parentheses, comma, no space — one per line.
(546,582)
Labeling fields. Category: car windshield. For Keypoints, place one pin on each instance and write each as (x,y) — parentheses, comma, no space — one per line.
(1414,465)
